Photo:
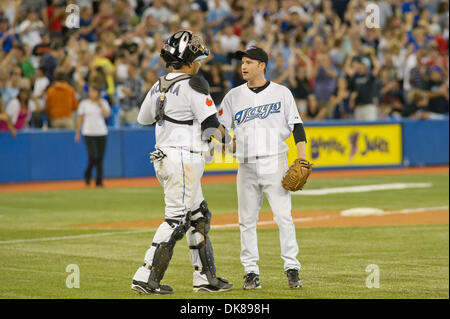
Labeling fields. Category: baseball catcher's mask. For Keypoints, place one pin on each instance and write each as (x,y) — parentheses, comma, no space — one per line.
(183,47)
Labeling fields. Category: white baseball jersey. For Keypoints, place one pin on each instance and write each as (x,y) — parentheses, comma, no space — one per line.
(183,103)
(261,121)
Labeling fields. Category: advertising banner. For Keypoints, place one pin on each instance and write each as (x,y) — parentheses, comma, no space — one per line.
(338,146)
(359,145)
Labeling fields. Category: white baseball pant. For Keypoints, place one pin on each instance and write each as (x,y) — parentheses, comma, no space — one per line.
(180,175)
(258,176)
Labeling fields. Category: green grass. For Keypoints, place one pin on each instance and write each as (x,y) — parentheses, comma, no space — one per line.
(413,260)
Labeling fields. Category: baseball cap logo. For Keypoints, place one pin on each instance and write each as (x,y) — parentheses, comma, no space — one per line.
(209,102)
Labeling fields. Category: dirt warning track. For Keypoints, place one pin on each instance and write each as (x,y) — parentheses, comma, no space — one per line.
(211,179)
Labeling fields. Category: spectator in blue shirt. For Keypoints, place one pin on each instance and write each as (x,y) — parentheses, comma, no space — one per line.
(131,94)
(50,60)
(87,26)
(325,75)
(7,36)
(437,91)
(217,13)
(11,89)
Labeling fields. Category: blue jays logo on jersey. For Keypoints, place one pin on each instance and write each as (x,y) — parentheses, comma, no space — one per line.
(261,111)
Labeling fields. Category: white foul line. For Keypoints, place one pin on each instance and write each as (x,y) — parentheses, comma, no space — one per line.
(416,210)
(361,188)
(17,241)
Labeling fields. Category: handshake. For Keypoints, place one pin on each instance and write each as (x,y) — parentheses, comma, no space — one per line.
(219,137)
(230,147)
(227,146)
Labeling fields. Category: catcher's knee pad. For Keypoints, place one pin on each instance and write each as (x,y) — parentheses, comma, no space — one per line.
(162,256)
(200,219)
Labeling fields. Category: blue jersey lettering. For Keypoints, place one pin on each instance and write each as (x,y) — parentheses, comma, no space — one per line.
(261,112)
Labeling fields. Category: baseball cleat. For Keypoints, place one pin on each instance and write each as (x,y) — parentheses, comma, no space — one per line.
(143,288)
(251,281)
(293,278)
(222,285)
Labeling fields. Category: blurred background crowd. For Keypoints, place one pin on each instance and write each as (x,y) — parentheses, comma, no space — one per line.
(337,64)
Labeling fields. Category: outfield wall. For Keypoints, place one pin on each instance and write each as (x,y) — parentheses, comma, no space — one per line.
(36,155)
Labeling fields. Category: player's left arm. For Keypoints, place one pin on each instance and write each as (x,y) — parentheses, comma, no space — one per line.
(298,173)
(300,140)
(293,118)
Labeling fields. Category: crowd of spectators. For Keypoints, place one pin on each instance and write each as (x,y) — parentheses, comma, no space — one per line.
(338,64)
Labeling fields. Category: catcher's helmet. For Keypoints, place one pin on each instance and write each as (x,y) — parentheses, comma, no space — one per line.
(183,48)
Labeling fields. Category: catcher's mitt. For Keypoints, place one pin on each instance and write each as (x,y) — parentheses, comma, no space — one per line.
(297,175)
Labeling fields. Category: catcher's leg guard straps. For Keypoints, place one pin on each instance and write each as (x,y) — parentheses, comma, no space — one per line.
(206,254)
(163,255)
(203,208)
(161,259)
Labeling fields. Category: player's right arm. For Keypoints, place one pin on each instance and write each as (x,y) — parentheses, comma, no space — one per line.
(147,114)
(206,113)
(212,127)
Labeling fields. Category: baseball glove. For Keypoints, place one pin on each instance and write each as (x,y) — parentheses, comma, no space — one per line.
(297,175)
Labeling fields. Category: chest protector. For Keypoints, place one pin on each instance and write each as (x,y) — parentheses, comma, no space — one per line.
(196,82)
(164,86)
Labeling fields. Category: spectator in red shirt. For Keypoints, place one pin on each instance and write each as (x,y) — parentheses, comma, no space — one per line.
(52,16)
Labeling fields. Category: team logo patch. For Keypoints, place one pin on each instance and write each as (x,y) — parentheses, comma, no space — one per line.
(209,102)
(220,112)
(261,112)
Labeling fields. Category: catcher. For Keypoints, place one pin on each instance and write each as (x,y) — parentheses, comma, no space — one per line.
(262,115)
(181,105)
